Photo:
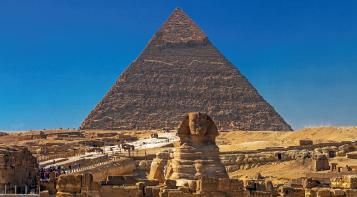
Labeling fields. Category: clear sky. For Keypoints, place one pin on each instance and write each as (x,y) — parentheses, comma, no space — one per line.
(59,58)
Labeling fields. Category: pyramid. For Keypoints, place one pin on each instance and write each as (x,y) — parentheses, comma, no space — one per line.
(179,72)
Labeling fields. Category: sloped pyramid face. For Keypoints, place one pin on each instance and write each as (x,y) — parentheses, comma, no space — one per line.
(180,71)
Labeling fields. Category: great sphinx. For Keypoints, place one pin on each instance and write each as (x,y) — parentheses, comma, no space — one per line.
(198,154)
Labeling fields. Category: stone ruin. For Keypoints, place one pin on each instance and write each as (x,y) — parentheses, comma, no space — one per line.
(181,71)
(17,168)
(196,170)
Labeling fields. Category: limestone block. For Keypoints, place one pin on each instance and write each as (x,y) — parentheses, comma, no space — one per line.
(165,192)
(133,191)
(351,192)
(289,191)
(310,193)
(236,185)
(94,185)
(260,186)
(156,191)
(246,193)
(323,193)
(170,183)
(224,184)
(192,185)
(45,193)
(176,194)
(260,194)
(81,195)
(206,184)
(118,190)
(87,178)
(106,189)
(344,182)
(148,191)
(234,193)
(213,193)
(145,165)
(184,189)
(148,182)
(157,170)
(320,162)
(69,183)
(337,192)
(65,194)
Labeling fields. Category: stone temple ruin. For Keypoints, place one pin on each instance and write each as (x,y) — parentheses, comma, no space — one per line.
(180,71)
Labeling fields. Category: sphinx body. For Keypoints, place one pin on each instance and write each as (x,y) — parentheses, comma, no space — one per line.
(198,154)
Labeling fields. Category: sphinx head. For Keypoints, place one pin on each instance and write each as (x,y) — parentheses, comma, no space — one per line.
(198,123)
(197,127)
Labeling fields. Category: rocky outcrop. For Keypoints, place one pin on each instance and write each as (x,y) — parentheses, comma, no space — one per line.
(158,166)
(181,71)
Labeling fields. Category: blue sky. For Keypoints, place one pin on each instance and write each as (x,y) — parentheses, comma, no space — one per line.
(59,58)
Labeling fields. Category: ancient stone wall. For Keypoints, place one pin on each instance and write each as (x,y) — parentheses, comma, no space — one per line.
(117,167)
(129,186)
(17,167)
(250,159)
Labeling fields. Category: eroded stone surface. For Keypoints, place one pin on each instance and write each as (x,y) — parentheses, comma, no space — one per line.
(198,155)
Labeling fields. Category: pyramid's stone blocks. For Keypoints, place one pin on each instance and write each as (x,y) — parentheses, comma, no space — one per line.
(181,71)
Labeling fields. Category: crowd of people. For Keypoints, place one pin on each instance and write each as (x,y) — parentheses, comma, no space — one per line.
(58,169)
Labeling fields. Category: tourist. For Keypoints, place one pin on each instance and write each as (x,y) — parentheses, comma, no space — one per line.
(54,161)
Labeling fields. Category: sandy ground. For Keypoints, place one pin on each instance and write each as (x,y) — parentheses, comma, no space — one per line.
(239,140)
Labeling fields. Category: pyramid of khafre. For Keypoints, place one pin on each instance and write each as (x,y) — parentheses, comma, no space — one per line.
(178,72)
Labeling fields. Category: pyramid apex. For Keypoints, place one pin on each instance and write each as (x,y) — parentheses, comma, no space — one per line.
(179,28)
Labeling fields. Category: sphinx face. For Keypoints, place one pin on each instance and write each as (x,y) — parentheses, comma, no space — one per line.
(198,123)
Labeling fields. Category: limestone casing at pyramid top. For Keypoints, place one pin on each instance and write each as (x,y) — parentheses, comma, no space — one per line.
(179,28)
